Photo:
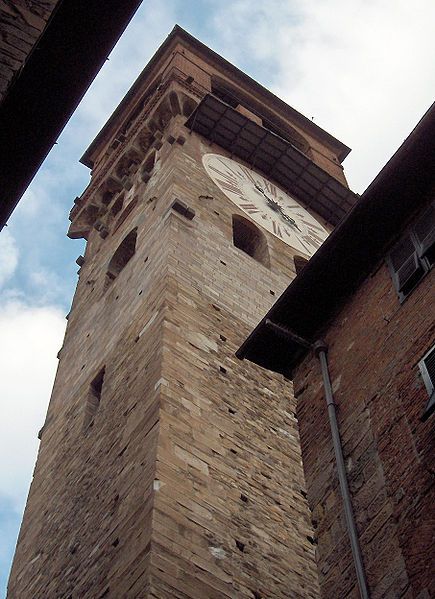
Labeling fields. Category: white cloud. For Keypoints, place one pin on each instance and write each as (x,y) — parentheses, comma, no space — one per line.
(8,256)
(31,338)
(362,69)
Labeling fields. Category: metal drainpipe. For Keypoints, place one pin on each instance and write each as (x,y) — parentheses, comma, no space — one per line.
(320,349)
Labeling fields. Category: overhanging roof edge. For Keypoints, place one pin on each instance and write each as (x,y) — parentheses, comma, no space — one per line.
(178,32)
(414,159)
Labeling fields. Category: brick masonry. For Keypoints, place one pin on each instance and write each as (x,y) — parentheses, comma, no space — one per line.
(184,479)
(21,24)
(375,344)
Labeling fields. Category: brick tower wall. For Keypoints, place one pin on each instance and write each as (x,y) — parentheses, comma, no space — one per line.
(188,481)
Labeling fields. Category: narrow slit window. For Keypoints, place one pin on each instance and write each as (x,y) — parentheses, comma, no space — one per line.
(248,238)
(94,398)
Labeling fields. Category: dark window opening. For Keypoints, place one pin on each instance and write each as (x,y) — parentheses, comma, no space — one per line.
(414,255)
(107,197)
(94,397)
(149,162)
(121,257)
(189,106)
(248,238)
(117,206)
(183,209)
(126,213)
(427,369)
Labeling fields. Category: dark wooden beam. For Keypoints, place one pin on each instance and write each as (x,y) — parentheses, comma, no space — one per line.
(56,75)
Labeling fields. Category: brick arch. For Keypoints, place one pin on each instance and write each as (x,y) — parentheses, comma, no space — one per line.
(248,238)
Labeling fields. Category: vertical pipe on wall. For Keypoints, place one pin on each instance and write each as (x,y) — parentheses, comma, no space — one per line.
(321,349)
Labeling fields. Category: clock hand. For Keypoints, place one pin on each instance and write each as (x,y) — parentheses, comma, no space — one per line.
(289,219)
(277,208)
(274,205)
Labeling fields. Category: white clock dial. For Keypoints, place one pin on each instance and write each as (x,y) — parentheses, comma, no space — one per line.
(265,203)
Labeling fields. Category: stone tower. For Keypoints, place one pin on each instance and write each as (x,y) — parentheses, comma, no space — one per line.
(168,468)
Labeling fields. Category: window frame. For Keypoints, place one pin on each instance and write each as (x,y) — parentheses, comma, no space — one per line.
(429,383)
(420,256)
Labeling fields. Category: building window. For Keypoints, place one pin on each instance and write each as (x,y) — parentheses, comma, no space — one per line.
(94,397)
(414,255)
(427,369)
(117,206)
(248,238)
(123,254)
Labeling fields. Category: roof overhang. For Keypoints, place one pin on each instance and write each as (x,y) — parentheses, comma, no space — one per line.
(348,256)
(72,48)
(276,157)
(179,35)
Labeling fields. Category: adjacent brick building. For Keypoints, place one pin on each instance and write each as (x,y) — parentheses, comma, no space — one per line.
(369,294)
(167,467)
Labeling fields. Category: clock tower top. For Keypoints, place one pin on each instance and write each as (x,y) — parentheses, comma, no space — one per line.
(227,107)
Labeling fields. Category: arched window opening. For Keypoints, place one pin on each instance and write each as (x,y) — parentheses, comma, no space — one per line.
(300,263)
(117,206)
(121,257)
(126,213)
(174,103)
(189,106)
(127,165)
(144,140)
(107,197)
(248,238)
(149,163)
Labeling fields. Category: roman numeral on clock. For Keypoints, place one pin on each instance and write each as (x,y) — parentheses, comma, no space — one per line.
(270,187)
(276,228)
(228,168)
(229,186)
(249,207)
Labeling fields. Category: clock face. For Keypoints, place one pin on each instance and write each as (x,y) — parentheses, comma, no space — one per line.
(266,204)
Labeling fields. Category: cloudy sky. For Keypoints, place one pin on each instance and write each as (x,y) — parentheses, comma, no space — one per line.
(362,69)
